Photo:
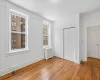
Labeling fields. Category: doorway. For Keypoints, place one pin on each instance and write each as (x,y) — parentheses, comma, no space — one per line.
(93,42)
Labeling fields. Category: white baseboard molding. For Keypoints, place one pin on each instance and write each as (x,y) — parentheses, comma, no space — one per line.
(59,56)
(18,66)
(77,61)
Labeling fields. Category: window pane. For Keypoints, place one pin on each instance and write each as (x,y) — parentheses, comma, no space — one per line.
(45,30)
(45,34)
(17,23)
(45,40)
(17,41)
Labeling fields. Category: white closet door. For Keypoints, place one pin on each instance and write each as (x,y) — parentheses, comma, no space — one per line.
(99,41)
(69,44)
(93,42)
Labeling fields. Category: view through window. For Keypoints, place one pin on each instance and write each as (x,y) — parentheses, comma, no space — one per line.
(18,30)
(45,34)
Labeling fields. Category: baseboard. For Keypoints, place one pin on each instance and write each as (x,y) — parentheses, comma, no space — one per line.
(77,61)
(58,56)
(21,65)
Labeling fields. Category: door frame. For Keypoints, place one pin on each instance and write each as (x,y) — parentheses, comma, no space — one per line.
(64,38)
(86,41)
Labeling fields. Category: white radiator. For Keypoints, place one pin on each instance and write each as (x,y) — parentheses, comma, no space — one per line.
(48,52)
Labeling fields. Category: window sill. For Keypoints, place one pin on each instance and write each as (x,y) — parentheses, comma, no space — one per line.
(15,52)
(47,47)
(18,50)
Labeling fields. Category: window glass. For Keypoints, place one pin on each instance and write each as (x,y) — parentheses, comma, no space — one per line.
(45,35)
(18,41)
(18,24)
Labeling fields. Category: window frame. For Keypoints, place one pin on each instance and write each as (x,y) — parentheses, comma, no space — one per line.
(49,34)
(10,31)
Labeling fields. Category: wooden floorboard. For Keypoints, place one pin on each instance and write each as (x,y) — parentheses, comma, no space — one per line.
(59,69)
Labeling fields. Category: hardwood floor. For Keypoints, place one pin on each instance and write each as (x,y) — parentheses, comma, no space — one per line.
(59,69)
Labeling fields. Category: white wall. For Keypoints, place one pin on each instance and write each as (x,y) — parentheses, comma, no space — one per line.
(2,23)
(13,61)
(70,21)
(87,20)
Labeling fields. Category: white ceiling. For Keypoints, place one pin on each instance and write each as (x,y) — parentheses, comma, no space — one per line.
(58,9)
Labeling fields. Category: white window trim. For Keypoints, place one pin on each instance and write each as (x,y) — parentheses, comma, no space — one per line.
(26,31)
(49,35)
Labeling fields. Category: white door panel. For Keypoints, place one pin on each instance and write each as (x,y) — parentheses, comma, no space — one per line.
(69,44)
(93,42)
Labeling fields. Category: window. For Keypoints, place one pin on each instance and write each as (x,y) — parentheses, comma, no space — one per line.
(46,34)
(18,30)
